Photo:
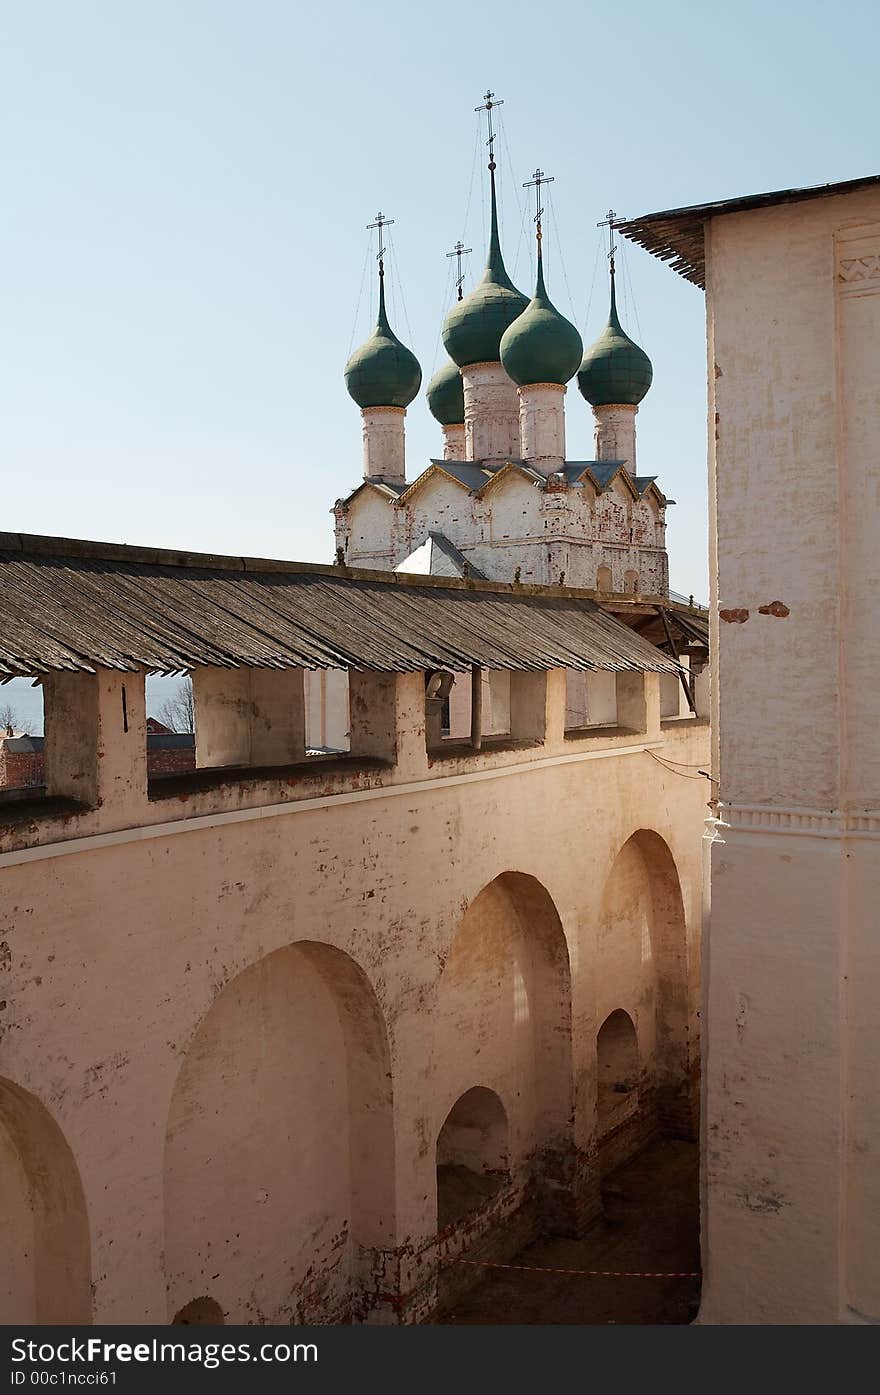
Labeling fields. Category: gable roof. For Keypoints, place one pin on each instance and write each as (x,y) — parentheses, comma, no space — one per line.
(391,492)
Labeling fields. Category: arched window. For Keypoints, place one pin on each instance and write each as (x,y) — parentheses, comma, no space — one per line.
(472,1155)
(603,579)
(631,583)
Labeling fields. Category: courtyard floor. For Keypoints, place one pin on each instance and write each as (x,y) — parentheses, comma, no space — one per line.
(651,1225)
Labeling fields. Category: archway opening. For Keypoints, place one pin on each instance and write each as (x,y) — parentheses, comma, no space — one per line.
(200,1312)
(45,1253)
(506,1171)
(473,1155)
(647,1071)
(617,1056)
(279,1156)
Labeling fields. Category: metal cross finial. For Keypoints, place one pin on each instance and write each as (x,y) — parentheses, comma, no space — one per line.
(610,221)
(537,179)
(381,222)
(459,251)
(488,105)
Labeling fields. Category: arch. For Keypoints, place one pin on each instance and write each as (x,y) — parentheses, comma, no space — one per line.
(617,1055)
(473,1154)
(643,960)
(631,582)
(504,1017)
(45,1260)
(603,579)
(200,1312)
(279,1154)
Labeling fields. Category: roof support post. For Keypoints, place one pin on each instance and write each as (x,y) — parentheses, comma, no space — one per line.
(476,707)
(673,649)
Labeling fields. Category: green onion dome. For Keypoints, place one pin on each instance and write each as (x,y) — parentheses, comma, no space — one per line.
(542,346)
(446,395)
(614,369)
(383,372)
(473,328)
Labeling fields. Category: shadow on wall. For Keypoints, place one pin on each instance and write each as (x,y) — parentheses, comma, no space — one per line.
(473,1155)
(504,1017)
(647,1061)
(45,1258)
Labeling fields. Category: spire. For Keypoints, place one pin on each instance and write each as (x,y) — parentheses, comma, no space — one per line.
(473,328)
(381,223)
(459,251)
(383,372)
(494,261)
(615,371)
(537,179)
(541,346)
(609,221)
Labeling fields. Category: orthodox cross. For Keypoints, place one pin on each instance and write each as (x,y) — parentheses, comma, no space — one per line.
(537,179)
(459,251)
(488,106)
(609,222)
(381,223)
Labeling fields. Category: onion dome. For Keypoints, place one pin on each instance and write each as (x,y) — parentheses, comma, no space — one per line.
(615,369)
(446,395)
(383,372)
(473,328)
(542,346)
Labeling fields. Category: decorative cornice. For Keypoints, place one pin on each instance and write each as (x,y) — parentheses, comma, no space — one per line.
(532,387)
(799,821)
(383,411)
(859,268)
(484,363)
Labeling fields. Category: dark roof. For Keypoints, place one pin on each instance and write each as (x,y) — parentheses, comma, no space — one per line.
(22,743)
(391,491)
(676,234)
(457,559)
(170,740)
(83,606)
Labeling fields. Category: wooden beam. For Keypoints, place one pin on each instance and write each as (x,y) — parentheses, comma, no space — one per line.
(674,651)
(476,707)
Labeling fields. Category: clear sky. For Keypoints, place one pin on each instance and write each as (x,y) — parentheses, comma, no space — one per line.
(186,188)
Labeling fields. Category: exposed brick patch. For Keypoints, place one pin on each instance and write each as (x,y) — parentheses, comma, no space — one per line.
(777,608)
(734,617)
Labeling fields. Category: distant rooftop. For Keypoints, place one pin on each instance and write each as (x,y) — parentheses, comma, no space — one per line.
(677,234)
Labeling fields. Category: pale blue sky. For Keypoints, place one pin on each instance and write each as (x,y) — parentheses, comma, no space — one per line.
(185,192)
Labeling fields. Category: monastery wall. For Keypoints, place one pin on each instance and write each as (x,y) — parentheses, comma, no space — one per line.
(286,1044)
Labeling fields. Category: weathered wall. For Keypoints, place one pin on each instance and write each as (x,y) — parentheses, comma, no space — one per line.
(792,1203)
(178,1050)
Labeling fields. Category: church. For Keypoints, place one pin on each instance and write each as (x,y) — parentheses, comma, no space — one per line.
(505,501)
